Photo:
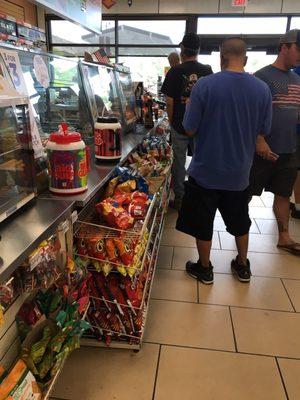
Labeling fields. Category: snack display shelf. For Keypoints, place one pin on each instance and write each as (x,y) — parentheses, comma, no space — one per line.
(157,222)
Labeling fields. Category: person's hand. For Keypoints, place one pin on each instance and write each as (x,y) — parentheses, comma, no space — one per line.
(264,150)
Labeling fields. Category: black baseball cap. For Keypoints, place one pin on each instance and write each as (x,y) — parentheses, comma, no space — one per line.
(292,36)
(191,41)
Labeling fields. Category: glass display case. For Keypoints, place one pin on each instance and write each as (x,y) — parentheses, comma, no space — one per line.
(127,96)
(17,184)
(54,87)
(101,90)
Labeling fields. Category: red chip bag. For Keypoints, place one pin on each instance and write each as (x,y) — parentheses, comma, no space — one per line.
(115,216)
(125,249)
(81,245)
(96,247)
(137,210)
(139,197)
(111,250)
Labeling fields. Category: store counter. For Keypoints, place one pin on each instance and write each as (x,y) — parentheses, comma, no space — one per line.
(25,230)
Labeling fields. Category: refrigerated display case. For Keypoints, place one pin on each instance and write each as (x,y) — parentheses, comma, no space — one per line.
(54,87)
(101,90)
(17,184)
(127,96)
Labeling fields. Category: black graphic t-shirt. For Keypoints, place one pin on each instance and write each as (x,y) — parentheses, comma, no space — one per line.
(178,85)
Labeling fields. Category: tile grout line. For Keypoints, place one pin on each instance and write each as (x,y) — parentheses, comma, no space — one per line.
(233,331)
(256,224)
(198,292)
(173,251)
(282,380)
(288,295)
(230,273)
(223,305)
(222,351)
(156,372)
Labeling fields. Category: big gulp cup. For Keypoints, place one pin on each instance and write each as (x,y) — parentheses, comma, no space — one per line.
(68,162)
(108,139)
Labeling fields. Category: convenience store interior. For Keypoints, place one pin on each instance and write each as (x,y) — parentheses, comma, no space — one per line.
(226,341)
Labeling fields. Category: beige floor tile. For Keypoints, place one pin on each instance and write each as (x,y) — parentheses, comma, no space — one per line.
(257,243)
(172,237)
(93,374)
(174,285)
(267,332)
(290,370)
(171,218)
(293,288)
(219,225)
(265,293)
(182,255)
(256,202)
(261,212)
(269,227)
(165,256)
(262,264)
(189,324)
(213,375)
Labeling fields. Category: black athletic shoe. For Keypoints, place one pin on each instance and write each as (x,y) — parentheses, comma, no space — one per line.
(204,275)
(242,272)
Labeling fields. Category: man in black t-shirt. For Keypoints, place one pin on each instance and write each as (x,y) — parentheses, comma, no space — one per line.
(177,88)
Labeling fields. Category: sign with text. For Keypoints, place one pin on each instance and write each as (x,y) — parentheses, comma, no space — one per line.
(239,3)
(84,12)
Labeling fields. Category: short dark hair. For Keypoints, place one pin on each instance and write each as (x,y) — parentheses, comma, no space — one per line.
(189,52)
(288,45)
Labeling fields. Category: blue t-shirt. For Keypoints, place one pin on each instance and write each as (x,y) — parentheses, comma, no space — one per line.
(227,111)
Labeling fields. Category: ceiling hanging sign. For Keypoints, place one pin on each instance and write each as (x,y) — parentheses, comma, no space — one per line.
(87,13)
(239,3)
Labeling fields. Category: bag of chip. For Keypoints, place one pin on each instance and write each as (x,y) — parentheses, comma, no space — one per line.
(96,246)
(111,250)
(112,184)
(125,250)
(115,216)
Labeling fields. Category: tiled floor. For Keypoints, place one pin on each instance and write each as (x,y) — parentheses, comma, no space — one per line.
(229,341)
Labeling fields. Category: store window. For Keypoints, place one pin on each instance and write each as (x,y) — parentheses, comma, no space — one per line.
(151,32)
(64,32)
(241,25)
(295,23)
(147,51)
(78,51)
(256,60)
(147,69)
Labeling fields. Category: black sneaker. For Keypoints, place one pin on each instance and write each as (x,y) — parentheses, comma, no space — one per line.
(242,272)
(197,271)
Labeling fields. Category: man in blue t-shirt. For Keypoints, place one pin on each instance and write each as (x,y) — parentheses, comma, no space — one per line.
(226,113)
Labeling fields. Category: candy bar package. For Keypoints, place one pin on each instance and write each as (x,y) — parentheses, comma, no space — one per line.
(20,384)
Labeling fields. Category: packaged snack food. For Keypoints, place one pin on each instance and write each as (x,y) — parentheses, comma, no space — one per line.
(127,186)
(115,216)
(19,381)
(125,250)
(111,187)
(96,247)
(111,250)
(82,246)
(38,349)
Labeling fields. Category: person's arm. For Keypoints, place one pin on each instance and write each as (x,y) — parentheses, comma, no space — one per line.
(168,89)
(262,147)
(170,108)
(194,109)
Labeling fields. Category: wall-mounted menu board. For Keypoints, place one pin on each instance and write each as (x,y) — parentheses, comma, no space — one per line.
(84,12)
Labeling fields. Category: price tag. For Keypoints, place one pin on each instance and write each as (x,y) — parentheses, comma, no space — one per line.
(239,3)
(12,62)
